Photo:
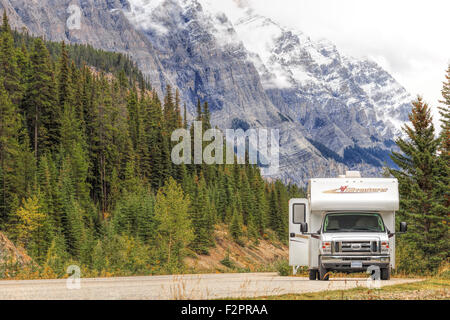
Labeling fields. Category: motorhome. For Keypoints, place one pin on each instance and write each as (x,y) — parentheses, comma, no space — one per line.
(352,226)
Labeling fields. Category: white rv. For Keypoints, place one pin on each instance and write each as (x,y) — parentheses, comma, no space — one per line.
(352,226)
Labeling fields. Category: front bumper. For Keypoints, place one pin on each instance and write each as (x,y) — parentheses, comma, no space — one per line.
(344,263)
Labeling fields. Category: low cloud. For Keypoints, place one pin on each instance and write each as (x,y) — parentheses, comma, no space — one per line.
(407,38)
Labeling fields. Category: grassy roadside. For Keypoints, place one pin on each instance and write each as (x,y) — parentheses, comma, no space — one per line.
(430,289)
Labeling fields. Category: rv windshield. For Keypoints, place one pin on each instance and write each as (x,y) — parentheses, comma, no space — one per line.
(353,222)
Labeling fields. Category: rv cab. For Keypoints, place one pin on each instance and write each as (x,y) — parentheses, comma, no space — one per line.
(345,224)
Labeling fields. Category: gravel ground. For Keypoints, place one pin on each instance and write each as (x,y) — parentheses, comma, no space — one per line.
(205,286)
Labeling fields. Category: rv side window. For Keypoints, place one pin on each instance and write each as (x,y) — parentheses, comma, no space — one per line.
(299,215)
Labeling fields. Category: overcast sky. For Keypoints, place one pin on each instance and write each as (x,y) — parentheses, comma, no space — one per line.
(409,38)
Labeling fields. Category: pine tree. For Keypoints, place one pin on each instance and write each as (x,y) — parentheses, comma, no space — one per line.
(174,232)
(418,178)
(9,70)
(206,117)
(178,118)
(39,102)
(445,116)
(261,205)
(185,121)
(169,112)
(9,154)
(133,116)
(47,177)
(146,224)
(158,146)
(57,256)
(72,215)
(23,64)
(65,93)
(236,225)
(201,216)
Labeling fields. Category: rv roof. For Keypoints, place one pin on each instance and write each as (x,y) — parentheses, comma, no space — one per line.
(376,194)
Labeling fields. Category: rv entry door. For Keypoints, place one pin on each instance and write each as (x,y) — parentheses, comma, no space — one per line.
(298,242)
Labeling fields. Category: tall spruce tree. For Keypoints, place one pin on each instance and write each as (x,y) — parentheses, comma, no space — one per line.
(174,232)
(445,116)
(9,70)
(9,153)
(65,93)
(418,176)
(200,213)
(39,103)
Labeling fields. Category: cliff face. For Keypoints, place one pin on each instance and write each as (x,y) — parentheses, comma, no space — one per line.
(339,100)
(103,25)
(333,111)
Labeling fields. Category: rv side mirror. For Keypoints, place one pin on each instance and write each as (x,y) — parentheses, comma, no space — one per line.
(304,227)
(403,226)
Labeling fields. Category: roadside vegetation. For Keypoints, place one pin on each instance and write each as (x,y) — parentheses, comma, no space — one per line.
(431,289)
(436,287)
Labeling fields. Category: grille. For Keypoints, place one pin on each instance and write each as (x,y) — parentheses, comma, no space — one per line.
(356,246)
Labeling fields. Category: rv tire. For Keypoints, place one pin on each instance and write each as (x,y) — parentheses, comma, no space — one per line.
(323,274)
(385,273)
(313,274)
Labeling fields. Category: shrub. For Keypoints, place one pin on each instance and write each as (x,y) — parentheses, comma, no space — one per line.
(227,262)
(283,268)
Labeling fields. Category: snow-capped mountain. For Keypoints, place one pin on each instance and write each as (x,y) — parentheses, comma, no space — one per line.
(333,112)
(301,75)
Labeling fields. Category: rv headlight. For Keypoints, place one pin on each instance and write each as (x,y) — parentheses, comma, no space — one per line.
(326,246)
(384,246)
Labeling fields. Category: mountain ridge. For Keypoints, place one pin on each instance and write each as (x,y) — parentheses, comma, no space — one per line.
(330,101)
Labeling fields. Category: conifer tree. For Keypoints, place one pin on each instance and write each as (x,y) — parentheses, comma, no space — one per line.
(65,93)
(146,224)
(133,116)
(178,118)
(39,102)
(185,121)
(236,224)
(418,176)
(261,205)
(201,213)
(57,256)
(9,154)
(23,64)
(9,70)
(174,232)
(445,116)
(169,112)
(47,180)
(72,215)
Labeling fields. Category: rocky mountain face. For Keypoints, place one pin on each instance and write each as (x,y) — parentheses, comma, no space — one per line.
(342,102)
(102,24)
(333,112)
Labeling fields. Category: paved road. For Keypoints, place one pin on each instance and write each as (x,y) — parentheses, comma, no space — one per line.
(206,286)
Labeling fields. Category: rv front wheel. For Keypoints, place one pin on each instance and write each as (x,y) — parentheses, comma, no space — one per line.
(323,275)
